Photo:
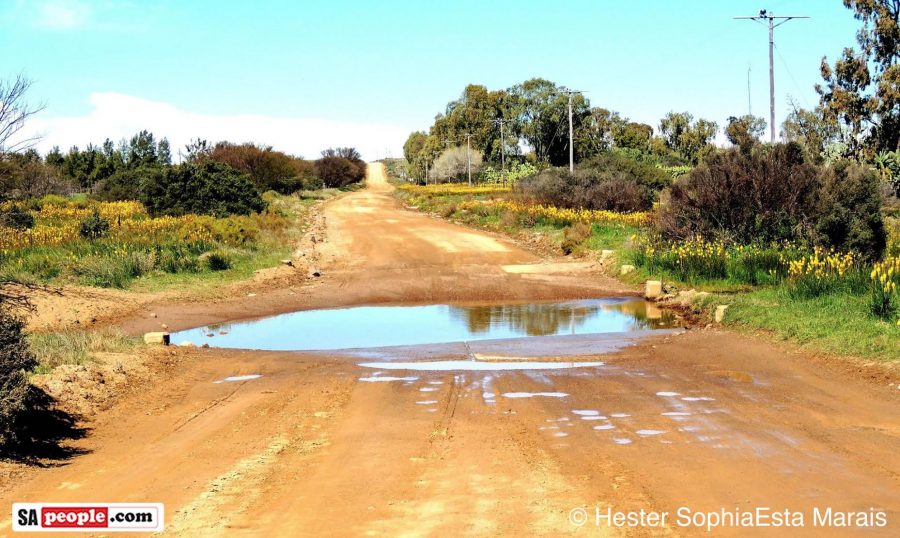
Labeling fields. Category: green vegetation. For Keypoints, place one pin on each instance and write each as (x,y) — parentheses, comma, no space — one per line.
(535,113)
(771,194)
(824,299)
(119,244)
(803,236)
(16,359)
(610,181)
(76,347)
(834,322)
(93,227)
(207,188)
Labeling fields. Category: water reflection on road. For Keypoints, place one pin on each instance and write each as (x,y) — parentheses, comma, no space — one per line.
(381,326)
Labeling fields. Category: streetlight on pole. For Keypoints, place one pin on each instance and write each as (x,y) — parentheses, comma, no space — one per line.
(765,15)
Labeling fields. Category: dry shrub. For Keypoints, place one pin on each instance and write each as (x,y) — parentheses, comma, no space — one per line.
(509,219)
(773,194)
(588,188)
(767,195)
(448,210)
(574,236)
(528,220)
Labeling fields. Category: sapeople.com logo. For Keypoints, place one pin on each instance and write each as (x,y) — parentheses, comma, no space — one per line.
(79,517)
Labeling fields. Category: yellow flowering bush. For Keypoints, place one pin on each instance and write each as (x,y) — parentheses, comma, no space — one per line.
(111,211)
(824,271)
(821,264)
(134,244)
(455,189)
(41,235)
(698,259)
(561,215)
(885,282)
(893,238)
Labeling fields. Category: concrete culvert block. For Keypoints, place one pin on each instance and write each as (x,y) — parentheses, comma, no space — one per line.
(158,338)
(626,269)
(653,289)
(720,312)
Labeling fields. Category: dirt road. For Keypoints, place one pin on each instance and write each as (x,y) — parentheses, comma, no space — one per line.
(705,420)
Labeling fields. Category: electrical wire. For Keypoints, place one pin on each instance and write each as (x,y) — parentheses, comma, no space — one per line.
(791,75)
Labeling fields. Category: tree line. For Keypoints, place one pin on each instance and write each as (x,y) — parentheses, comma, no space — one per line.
(141,168)
(534,115)
(858,117)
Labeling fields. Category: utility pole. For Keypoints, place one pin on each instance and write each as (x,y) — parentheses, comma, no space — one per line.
(571,139)
(765,15)
(571,133)
(749,101)
(469,156)
(502,154)
(502,151)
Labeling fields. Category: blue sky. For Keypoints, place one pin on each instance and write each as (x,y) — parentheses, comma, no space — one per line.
(303,75)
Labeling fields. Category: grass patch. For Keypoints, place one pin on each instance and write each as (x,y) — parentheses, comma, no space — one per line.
(610,237)
(76,347)
(488,208)
(150,254)
(838,323)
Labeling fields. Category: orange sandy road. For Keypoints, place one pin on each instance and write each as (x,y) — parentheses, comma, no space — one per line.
(706,420)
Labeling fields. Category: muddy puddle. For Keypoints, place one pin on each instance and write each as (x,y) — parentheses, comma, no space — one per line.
(385,326)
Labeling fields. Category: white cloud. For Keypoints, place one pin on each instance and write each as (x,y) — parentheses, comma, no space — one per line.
(62,14)
(116,116)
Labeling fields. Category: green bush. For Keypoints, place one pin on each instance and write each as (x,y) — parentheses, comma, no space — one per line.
(768,195)
(16,217)
(127,184)
(513,174)
(94,226)
(613,180)
(883,303)
(622,165)
(218,261)
(772,194)
(313,183)
(588,188)
(209,188)
(808,286)
(340,167)
(849,213)
(16,360)
(177,259)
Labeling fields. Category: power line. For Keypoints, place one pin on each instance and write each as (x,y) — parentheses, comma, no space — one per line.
(765,15)
(791,74)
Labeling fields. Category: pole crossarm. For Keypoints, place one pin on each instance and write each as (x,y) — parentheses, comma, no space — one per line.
(765,15)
